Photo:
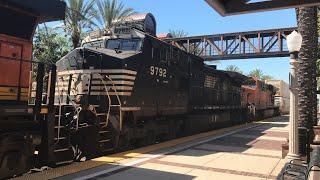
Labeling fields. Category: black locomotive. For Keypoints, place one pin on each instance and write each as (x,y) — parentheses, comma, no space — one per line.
(126,87)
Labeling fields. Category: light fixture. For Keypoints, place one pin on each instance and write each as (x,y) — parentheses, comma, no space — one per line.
(294,42)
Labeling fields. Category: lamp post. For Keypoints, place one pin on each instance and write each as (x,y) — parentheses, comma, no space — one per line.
(294,41)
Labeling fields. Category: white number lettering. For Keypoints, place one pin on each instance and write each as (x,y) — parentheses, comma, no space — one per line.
(164,73)
(157,71)
(160,72)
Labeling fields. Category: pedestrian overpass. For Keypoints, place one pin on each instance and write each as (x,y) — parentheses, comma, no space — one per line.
(240,45)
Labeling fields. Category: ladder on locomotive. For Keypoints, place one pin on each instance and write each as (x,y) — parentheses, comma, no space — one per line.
(113,122)
(61,148)
(107,139)
(108,122)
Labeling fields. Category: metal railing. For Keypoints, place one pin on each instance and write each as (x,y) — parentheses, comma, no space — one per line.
(239,45)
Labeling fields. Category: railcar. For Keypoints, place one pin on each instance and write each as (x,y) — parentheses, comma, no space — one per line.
(20,132)
(259,97)
(126,87)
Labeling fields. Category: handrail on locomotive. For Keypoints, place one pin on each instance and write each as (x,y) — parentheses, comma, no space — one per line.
(49,86)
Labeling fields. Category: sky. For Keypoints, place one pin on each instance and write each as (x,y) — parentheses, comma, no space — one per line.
(196,17)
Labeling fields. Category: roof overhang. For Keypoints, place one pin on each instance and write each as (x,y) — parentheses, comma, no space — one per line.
(45,10)
(234,7)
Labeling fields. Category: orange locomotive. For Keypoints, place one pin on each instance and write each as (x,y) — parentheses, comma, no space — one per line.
(15,59)
(259,98)
(20,129)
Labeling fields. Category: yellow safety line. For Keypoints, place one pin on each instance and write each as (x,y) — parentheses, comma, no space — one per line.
(13,96)
(8,94)
(8,97)
(10,89)
(116,158)
(22,98)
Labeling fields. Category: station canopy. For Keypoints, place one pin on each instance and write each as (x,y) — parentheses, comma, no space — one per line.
(46,10)
(21,17)
(234,7)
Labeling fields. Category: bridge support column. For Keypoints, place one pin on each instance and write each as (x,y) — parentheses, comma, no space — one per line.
(293,124)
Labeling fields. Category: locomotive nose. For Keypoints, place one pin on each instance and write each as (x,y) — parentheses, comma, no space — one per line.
(72,61)
(91,58)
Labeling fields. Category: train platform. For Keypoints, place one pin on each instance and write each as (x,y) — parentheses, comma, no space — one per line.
(250,151)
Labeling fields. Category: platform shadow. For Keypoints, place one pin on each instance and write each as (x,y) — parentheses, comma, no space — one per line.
(125,173)
(241,141)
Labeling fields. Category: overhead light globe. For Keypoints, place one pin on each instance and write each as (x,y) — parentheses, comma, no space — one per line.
(294,42)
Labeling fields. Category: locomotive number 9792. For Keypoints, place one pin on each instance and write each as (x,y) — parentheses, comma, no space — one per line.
(157,71)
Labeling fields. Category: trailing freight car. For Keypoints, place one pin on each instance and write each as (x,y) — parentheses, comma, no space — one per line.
(259,98)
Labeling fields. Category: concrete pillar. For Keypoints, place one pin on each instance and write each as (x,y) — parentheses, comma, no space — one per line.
(293,124)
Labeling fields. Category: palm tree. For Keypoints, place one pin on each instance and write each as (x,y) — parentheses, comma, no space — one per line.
(266,77)
(318,61)
(257,73)
(79,16)
(234,68)
(179,33)
(307,26)
(110,11)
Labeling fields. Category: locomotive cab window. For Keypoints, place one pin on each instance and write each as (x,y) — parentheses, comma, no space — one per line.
(164,54)
(175,55)
(263,86)
(161,54)
(124,44)
(251,83)
(97,44)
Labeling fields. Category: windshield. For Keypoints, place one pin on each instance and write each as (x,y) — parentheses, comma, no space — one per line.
(98,44)
(250,82)
(124,44)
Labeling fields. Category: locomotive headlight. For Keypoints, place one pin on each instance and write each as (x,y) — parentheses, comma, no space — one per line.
(85,78)
(85,81)
(107,32)
(78,98)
